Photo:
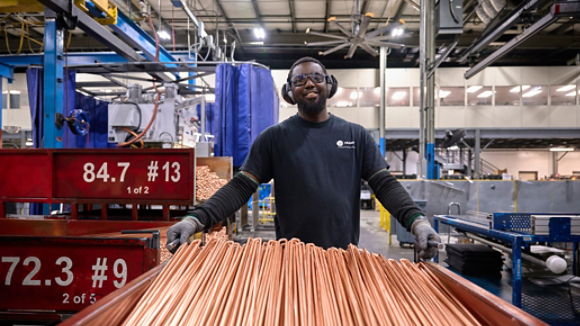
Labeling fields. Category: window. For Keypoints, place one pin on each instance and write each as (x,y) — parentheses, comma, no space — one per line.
(479,95)
(451,96)
(535,95)
(15,99)
(346,97)
(508,95)
(563,95)
(417,96)
(370,97)
(398,96)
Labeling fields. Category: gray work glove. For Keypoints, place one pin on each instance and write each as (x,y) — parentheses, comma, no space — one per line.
(184,229)
(424,233)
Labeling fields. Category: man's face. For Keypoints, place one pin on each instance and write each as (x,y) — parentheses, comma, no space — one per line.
(310,97)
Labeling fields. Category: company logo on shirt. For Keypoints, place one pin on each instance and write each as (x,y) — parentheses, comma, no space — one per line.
(345,144)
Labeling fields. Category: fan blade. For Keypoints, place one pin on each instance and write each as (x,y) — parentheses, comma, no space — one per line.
(325,43)
(344,30)
(387,44)
(328,35)
(334,49)
(369,49)
(382,30)
(364,25)
(351,50)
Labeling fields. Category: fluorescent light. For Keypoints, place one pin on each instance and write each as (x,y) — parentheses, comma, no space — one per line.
(339,90)
(444,94)
(308,30)
(562,149)
(571,94)
(29,143)
(164,35)
(474,89)
(453,148)
(377,90)
(517,88)
(256,43)
(485,94)
(566,88)
(342,104)
(399,95)
(531,93)
(259,33)
(14,92)
(354,95)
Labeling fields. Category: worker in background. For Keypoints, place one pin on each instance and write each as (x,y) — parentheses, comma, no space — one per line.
(317,161)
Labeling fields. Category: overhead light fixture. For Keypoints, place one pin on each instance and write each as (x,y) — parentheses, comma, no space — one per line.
(163,34)
(377,90)
(225,39)
(453,148)
(444,94)
(562,149)
(29,143)
(14,92)
(256,43)
(474,89)
(259,33)
(308,30)
(485,94)
(571,94)
(399,95)
(531,93)
(397,32)
(566,88)
(339,90)
(517,88)
(354,95)
(342,104)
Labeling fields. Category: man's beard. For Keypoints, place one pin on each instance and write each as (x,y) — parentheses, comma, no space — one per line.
(311,108)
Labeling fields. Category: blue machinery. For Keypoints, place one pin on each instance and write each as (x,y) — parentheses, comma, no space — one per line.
(515,228)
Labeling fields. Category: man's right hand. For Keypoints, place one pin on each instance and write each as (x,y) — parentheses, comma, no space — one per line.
(189,226)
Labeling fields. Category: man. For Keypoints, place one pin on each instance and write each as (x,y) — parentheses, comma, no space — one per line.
(317,161)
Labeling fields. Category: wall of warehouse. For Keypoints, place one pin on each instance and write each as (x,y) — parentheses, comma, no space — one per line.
(483,116)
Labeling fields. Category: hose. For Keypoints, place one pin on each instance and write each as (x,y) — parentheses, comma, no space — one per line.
(28,38)
(21,38)
(134,134)
(138,137)
(140,114)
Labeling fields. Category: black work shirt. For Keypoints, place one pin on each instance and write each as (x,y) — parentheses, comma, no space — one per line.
(317,168)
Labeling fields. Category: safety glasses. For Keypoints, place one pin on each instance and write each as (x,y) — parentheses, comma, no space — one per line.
(300,80)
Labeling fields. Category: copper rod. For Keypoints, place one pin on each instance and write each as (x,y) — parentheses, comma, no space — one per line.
(289,283)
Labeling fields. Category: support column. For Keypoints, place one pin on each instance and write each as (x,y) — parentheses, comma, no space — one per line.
(477,150)
(382,73)
(53,81)
(430,91)
(554,163)
(423,83)
(404,161)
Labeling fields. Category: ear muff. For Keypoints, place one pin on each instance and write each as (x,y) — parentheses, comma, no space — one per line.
(331,85)
(287,94)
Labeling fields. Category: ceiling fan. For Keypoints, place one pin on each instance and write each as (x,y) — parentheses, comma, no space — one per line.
(358,36)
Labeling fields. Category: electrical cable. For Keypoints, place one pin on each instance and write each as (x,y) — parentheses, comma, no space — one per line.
(28,38)
(134,135)
(140,114)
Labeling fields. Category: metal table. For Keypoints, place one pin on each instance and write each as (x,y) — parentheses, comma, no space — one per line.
(516,223)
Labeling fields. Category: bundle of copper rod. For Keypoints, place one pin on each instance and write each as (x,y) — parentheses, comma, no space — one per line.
(206,182)
(292,283)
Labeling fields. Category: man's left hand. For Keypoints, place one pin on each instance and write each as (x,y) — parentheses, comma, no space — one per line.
(423,234)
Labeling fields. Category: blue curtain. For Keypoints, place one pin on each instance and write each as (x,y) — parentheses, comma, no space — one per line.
(209,117)
(246,104)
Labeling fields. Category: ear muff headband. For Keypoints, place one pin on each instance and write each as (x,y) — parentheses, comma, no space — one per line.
(331,86)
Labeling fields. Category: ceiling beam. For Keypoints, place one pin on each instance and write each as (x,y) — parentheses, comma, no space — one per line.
(228,20)
(257,11)
(326,16)
(365,7)
(292,14)
(563,28)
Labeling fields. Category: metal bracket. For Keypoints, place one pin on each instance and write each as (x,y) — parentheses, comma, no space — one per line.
(155,240)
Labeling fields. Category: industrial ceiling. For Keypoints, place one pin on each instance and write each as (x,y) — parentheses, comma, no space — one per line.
(285,23)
